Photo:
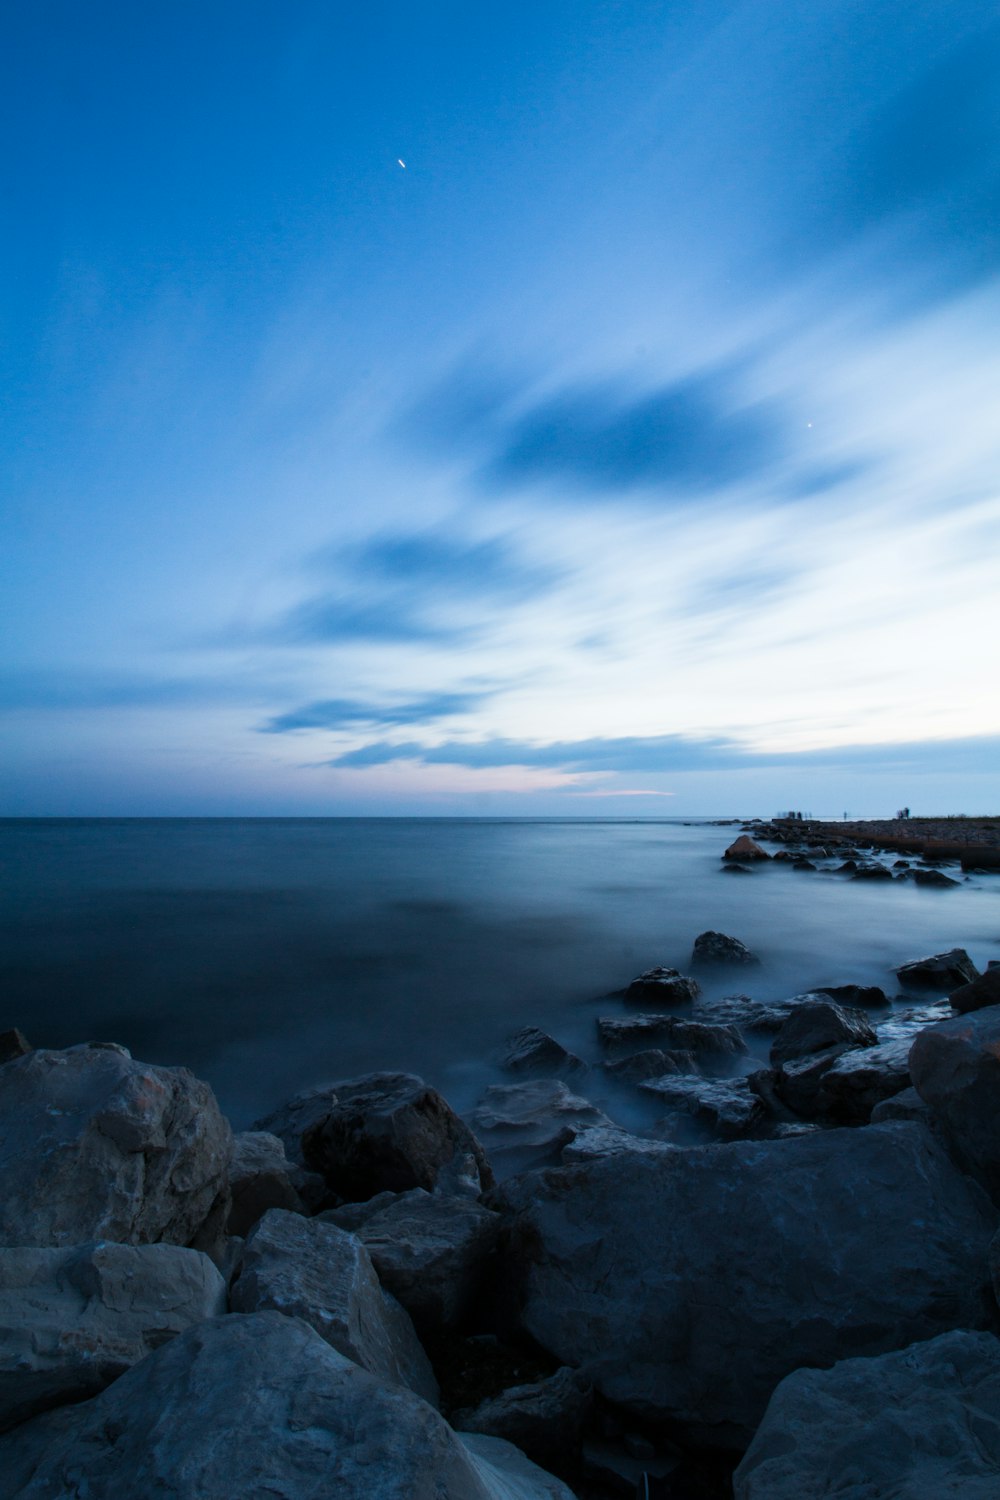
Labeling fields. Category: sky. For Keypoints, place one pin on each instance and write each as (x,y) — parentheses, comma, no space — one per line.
(588,409)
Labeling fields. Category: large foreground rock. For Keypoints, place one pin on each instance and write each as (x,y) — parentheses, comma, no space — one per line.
(71,1321)
(319,1273)
(388,1132)
(955,1068)
(919,1424)
(689,1282)
(94,1145)
(254,1406)
(978,992)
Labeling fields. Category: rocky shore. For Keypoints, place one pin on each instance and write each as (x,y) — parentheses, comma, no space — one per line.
(785,1287)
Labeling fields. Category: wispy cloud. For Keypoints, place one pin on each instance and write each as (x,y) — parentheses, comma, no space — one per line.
(346,713)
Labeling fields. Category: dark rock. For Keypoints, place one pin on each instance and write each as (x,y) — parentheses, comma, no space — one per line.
(619,1034)
(94,1145)
(868,995)
(917,1424)
(290,1121)
(955,1068)
(13,1044)
(818,1025)
(906,1105)
(72,1321)
(803,864)
(736,1264)
(849,867)
(652,1063)
(314,1271)
(525,1125)
(932,877)
(745,848)
(843,1087)
(546,1419)
(260,1178)
(978,993)
(599,1141)
(752,1015)
(871,872)
(734,869)
(662,987)
(715,948)
(433,1253)
(390,1132)
(533,1051)
(726,1105)
(941,972)
(259,1405)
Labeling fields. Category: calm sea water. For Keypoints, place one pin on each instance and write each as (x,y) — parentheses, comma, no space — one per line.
(272,954)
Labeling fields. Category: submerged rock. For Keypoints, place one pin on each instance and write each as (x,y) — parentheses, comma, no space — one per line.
(715,948)
(651,1063)
(527,1124)
(941,972)
(725,1104)
(94,1145)
(918,1423)
(618,1033)
(533,1051)
(735,1264)
(662,987)
(73,1320)
(745,848)
(254,1405)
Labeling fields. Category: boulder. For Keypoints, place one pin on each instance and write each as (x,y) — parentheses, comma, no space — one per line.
(931,877)
(941,972)
(525,1125)
(715,949)
(546,1419)
(73,1320)
(624,1033)
(819,1025)
(319,1273)
(919,1423)
(611,1140)
(871,872)
(955,1068)
(870,996)
(662,987)
(745,848)
(290,1121)
(843,1087)
(651,1063)
(906,1105)
(725,1105)
(94,1145)
(388,1132)
(748,1014)
(978,993)
(534,1051)
(433,1253)
(735,1264)
(255,1405)
(261,1177)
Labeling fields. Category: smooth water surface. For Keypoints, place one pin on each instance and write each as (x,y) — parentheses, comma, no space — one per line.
(272,954)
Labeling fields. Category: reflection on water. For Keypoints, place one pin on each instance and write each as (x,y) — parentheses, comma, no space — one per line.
(271,954)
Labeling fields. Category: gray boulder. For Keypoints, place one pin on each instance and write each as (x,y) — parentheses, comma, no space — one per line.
(546,1419)
(533,1051)
(978,993)
(843,1087)
(917,1424)
(73,1320)
(94,1145)
(261,1177)
(955,1068)
(618,1034)
(432,1252)
(259,1405)
(388,1132)
(323,1275)
(732,1265)
(524,1125)
(715,949)
(725,1105)
(662,987)
(941,972)
(292,1119)
(820,1025)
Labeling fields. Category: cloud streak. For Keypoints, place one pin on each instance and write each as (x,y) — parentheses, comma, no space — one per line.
(346,713)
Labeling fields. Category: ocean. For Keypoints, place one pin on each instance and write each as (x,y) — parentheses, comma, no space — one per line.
(271,954)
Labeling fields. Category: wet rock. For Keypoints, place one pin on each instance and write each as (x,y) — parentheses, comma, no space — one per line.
(314,1271)
(816,1026)
(94,1145)
(713,949)
(941,972)
(871,872)
(73,1320)
(978,993)
(726,1105)
(524,1125)
(611,1140)
(918,1423)
(260,1177)
(803,864)
(748,1014)
(533,1051)
(259,1405)
(662,987)
(388,1132)
(622,1033)
(933,878)
(734,869)
(545,1419)
(651,1063)
(736,1264)
(955,1068)
(13,1044)
(745,848)
(433,1253)
(870,996)
(843,1087)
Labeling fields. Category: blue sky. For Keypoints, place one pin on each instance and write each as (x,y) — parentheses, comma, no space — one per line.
(577,409)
